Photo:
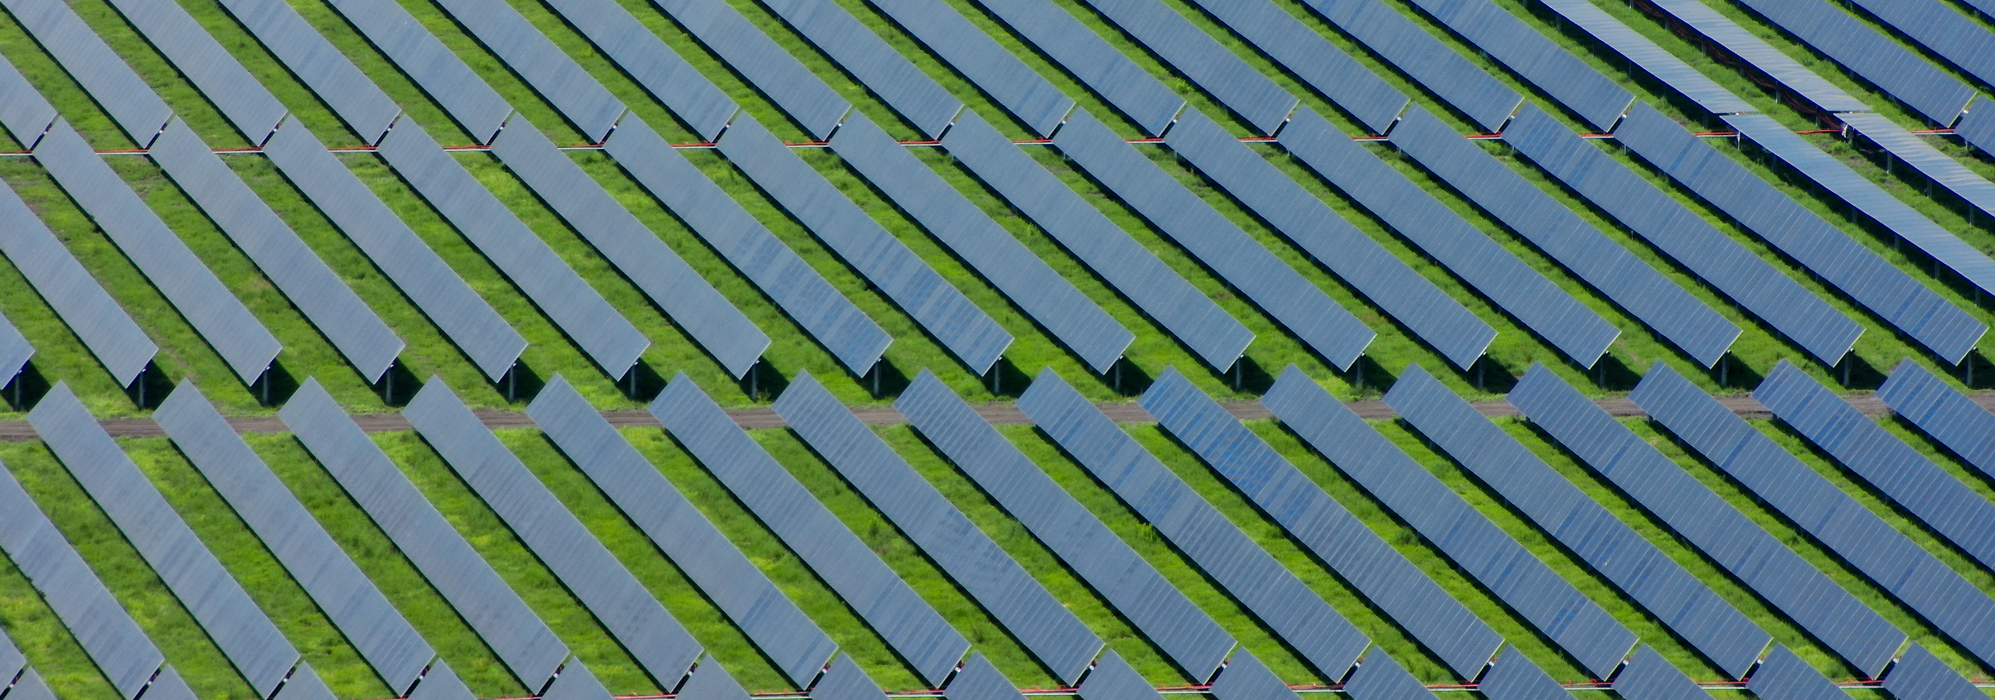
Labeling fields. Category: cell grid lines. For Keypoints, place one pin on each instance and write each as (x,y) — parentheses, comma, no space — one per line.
(1943,412)
(1653,59)
(1237,85)
(1904,75)
(1312,58)
(251,109)
(1649,676)
(529,52)
(365,109)
(1411,49)
(105,329)
(1784,676)
(1559,73)
(1092,61)
(468,100)
(1762,57)
(130,102)
(766,65)
(917,97)
(1919,674)
(1000,74)
(1941,168)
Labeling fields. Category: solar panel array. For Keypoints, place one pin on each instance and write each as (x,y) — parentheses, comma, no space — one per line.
(110,334)
(1761,56)
(1400,42)
(1649,676)
(1507,39)
(1784,676)
(1093,62)
(1929,161)
(1919,674)
(1235,84)
(1655,60)
(1942,412)
(1313,59)
(1913,80)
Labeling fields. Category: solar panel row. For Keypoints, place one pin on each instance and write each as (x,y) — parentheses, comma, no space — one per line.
(1242,262)
(917,97)
(1977,128)
(1763,57)
(1941,168)
(1603,263)
(367,111)
(1942,412)
(767,66)
(14,351)
(1092,61)
(1350,548)
(645,58)
(1559,73)
(214,598)
(711,682)
(543,65)
(1512,676)
(494,612)
(1919,674)
(30,686)
(1112,678)
(1246,678)
(105,631)
(1648,676)
(1411,49)
(1382,678)
(844,680)
(976,562)
(1185,634)
(1870,545)
(1466,536)
(1675,596)
(375,628)
(1313,59)
(1784,676)
(1681,233)
(1194,53)
(1690,509)
(1657,61)
(448,81)
(1911,79)
(930,646)
(1008,81)
(1309,625)
(1942,30)
(253,110)
(112,337)
(128,100)
(979,680)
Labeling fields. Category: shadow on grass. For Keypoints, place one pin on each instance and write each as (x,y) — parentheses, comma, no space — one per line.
(27,388)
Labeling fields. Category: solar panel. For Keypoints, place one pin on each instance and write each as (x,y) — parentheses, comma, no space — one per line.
(989,249)
(1382,678)
(1943,412)
(1940,329)
(1361,262)
(1944,31)
(129,101)
(1648,676)
(1246,678)
(22,110)
(809,529)
(711,682)
(1092,61)
(1766,59)
(103,628)
(757,254)
(550,71)
(917,97)
(1919,674)
(1904,75)
(402,256)
(373,625)
(693,304)
(365,108)
(11,660)
(214,598)
(1977,128)
(320,295)
(1681,233)
(603,333)
(472,103)
(14,351)
(646,59)
(1114,679)
(1647,295)
(1196,55)
(1694,512)
(441,683)
(1480,548)
(1513,677)
(979,680)
(1123,578)
(1939,167)
(1932,495)
(1465,250)
(844,680)
(1784,676)
(203,61)
(767,66)
(1412,50)
(304,684)
(494,612)
(923,294)
(30,686)
(1870,545)
(77,299)
(1675,596)
(1552,69)
(168,685)
(1653,59)
(991,67)
(1309,625)
(1125,264)
(1313,59)
(577,683)
(1348,546)
(984,570)
(1242,262)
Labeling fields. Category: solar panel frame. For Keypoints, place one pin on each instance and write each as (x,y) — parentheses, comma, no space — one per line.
(30,686)
(491,608)
(441,683)
(1944,413)
(1653,59)
(1382,678)
(992,68)
(110,334)
(1407,47)
(1876,58)
(979,680)
(645,58)
(363,107)
(1351,549)
(810,530)
(1648,676)
(1312,58)
(711,682)
(23,111)
(211,68)
(1092,61)
(1941,168)
(527,51)
(773,71)
(1784,676)
(1941,30)
(431,65)
(1512,676)
(1246,678)
(1114,679)
(844,680)
(14,351)
(1760,55)
(576,683)
(1196,55)
(918,98)
(1919,674)
(124,96)
(1530,55)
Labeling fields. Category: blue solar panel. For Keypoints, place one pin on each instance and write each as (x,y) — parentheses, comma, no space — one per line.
(111,335)
(991,67)
(1309,625)
(1648,676)
(1653,59)
(1361,262)
(1680,233)
(536,59)
(22,110)
(1766,59)
(451,83)
(810,530)
(1092,61)
(14,350)
(767,66)
(1785,580)
(977,563)
(1560,74)
(1589,254)
(844,680)
(650,63)
(1313,59)
(1930,162)
(1472,255)
(1196,55)
(1412,50)
(1382,678)
(120,91)
(364,108)
(1940,28)
(917,97)
(1904,75)
(1921,675)
(1246,678)
(203,61)
(1114,679)
(1123,578)
(1512,676)
(1953,605)
(1977,128)
(1943,412)
(1784,676)
(711,682)
(1348,546)
(1675,596)
(979,680)
(1238,259)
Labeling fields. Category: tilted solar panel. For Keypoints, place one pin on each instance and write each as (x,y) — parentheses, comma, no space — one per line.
(575,683)
(1246,678)
(1648,676)
(1943,412)
(212,69)
(711,682)
(1313,59)
(105,631)
(1766,59)
(889,264)
(1512,676)
(30,686)
(1919,674)
(1382,678)
(1643,53)
(1349,547)
(989,574)
(917,97)
(211,596)
(470,102)
(375,628)
(1462,533)
(22,110)
(280,29)
(1411,49)
(767,66)
(1361,262)
(1559,73)
(1954,606)
(979,680)
(112,337)
(844,680)
(1977,128)
(1930,162)
(1904,75)
(1309,625)
(1682,234)
(819,538)
(1123,578)
(1943,30)
(1092,61)
(646,59)
(1242,262)
(14,351)
(494,612)
(1784,676)
(1602,262)
(693,304)
(979,58)
(1114,679)
(1465,250)
(543,65)
(989,249)
(1690,509)
(1195,54)
(11,660)
(122,94)
(320,295)
(1125,264)
(1675,596)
